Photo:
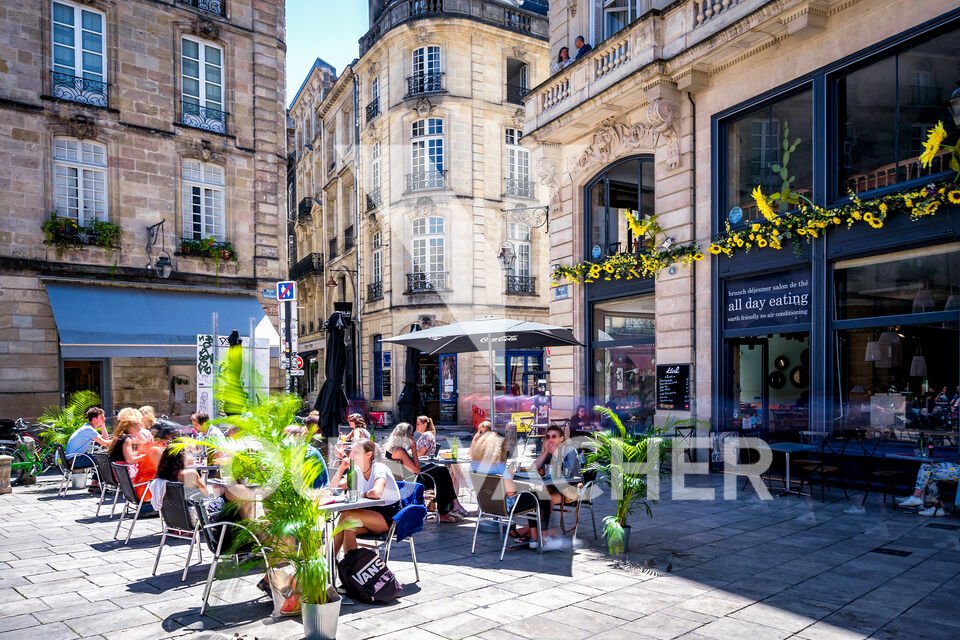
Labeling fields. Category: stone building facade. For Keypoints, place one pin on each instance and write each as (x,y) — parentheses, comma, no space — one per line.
(429,193)
(680,110)
(132,114)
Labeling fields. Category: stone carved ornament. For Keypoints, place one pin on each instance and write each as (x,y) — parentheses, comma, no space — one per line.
(425,207)
(614,139)
(81,127)
(424,107)
(423,35)
(519,118)
(204,28)
(520,52)
(547,169)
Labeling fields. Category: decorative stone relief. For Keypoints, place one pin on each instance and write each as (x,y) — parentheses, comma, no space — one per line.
(572,8)
(519,118)
(424,107)
(612,140)
(547,170)
(520,52)
(204,28)
(425,207)
(206,151)
(81,127)
(422,36)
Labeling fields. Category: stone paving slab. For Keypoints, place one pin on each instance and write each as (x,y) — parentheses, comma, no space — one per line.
(787,568)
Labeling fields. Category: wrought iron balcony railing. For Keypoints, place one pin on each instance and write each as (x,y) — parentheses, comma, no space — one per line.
(422,83)
(522,285)
(373,199)
(216,7)
(518,188)
(373,109)
(80,90)
(515,93)
(431,282)
(375,291)
(305,209)
(200,117)
(426,180)
(311,264)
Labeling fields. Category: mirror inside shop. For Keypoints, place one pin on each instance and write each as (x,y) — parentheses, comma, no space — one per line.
(770,383)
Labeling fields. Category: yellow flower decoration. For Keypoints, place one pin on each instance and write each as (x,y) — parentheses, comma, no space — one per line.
(836,220)
(698,256)
(763,205)
(855,215)
(775,232)
(868,218)
(755,227)
(801,232)
(954,196)
(761,242)
(715,249)
(884,208)
(931,146)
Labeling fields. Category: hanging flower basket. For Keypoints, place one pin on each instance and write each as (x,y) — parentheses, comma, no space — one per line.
(63,232)
(208,248)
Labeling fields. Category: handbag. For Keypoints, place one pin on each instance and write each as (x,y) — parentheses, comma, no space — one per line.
(366,577)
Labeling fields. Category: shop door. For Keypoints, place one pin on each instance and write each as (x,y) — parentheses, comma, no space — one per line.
(748,396)
(519,364)
(83,375)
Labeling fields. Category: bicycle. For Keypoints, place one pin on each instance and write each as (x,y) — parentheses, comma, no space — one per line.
(35,462)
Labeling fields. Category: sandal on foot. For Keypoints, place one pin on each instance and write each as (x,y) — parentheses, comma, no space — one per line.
(451,517)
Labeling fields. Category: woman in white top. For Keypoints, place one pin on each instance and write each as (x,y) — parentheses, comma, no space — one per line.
(374,481)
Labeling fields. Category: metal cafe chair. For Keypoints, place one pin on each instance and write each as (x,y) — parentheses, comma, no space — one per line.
(66,469)
(107,480)
(492,507)
(175,516)
(132,504)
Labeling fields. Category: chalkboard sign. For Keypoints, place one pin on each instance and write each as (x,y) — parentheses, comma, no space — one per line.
(673,387)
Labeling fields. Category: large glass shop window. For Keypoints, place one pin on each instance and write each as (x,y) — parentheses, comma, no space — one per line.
(886,109)
(899,378)
(624,357)
(626,186)
(770,147)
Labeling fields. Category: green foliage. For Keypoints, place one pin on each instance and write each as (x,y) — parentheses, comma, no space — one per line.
(65,232)
(60,423)
(208,248)
(623,462)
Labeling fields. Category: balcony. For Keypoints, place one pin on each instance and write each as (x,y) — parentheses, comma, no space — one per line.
(348,239)
(79,90)
(373,200)
(431,282)
(375,291)
(305,209)
(424,83)
(311,264)
(686,33)
(426,180)
(515,93)
(200,117)
(518,188)
(530,20)
(373,109)
(521,285)
(216,7)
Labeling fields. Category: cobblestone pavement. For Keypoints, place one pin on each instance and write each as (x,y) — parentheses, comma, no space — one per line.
(787,568)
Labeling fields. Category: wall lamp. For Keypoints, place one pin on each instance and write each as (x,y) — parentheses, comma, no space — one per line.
(162,266)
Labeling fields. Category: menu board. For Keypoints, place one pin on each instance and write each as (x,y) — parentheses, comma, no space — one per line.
(673,387)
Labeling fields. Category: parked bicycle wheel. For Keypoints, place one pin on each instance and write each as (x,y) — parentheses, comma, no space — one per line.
(20,465)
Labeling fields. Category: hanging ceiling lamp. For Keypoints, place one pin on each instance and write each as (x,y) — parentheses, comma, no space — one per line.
(923,301)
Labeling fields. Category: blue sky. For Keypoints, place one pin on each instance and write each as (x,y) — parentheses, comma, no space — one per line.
(327,29)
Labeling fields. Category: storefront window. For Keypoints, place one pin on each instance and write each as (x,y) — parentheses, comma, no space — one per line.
(886,109)
(625,186)
(921,281)
(770,147)
(623,350)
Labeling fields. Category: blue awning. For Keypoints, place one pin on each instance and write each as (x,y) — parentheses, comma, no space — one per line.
(104,321)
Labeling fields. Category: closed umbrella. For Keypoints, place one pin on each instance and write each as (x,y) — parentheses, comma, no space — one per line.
(487,334)
(332,401)
(410,403)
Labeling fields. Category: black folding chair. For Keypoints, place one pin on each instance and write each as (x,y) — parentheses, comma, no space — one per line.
(175,516)
(107,479)
(132,505)
(408,521)
(66,468)
(220,545)
(492,506)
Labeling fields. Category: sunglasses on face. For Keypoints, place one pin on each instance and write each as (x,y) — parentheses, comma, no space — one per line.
(554,436)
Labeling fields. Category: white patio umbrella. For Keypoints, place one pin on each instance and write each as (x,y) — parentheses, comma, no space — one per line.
(487,334)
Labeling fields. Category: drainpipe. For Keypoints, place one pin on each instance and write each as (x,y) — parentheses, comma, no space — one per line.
(693,267)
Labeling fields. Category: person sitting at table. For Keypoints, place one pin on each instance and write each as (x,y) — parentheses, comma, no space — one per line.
(148,458)
(488,456)
(83,439)
(358,431)
(125,436)
(375,482)
(559,464)
(172,467)
(147,418)
(299,433)
(426,437)
(399,448)
(580,420)
(926,490)
(482,428)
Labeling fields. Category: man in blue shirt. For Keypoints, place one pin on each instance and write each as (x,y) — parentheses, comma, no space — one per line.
(95,430)
(582,47)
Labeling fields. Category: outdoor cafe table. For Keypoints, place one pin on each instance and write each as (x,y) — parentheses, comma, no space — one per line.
(786,448)
(340,507)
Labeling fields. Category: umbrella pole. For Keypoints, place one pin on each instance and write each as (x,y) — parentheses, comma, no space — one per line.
(493,377)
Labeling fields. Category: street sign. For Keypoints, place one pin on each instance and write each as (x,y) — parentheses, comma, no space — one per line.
(268,293)
(296,372)
(286,291)
(297,363)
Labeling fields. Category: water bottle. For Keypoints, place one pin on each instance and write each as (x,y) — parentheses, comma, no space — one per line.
(352,483)
(455,449)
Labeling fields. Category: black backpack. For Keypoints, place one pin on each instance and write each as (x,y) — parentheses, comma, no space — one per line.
(366,577)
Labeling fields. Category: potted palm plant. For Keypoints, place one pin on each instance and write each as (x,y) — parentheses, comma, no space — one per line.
(60,423)
(623,462)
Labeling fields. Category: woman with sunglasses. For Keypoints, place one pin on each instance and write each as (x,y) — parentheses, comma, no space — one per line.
(559,465)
